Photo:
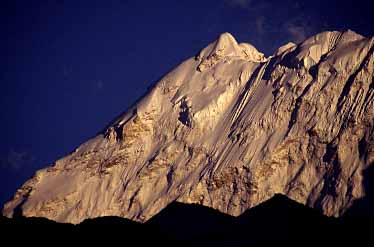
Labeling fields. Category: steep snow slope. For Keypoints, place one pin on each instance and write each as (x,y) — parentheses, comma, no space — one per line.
(227,129)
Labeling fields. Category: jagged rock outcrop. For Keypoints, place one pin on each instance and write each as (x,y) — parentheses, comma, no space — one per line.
(227,129)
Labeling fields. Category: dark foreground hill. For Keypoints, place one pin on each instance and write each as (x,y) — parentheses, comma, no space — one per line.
(277,221)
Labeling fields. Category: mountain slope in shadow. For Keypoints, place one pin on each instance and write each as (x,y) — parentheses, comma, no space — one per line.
(364,207)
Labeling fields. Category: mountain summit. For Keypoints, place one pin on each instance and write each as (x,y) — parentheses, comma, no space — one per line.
(228,129)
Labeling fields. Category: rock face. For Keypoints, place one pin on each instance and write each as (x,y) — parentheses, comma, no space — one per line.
(227,129)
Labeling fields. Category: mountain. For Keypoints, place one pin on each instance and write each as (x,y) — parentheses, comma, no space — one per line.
(228,129)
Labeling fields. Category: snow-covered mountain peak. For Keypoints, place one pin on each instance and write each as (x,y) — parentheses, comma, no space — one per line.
(227,48)
(227,129)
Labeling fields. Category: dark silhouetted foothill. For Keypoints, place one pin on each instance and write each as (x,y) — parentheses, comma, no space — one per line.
(276,221)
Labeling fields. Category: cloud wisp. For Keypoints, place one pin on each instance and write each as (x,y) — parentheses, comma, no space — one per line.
(16,160)
(297,33)
(283,22)
(239,3)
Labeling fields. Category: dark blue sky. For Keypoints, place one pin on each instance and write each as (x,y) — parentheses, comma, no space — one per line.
(69,68)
